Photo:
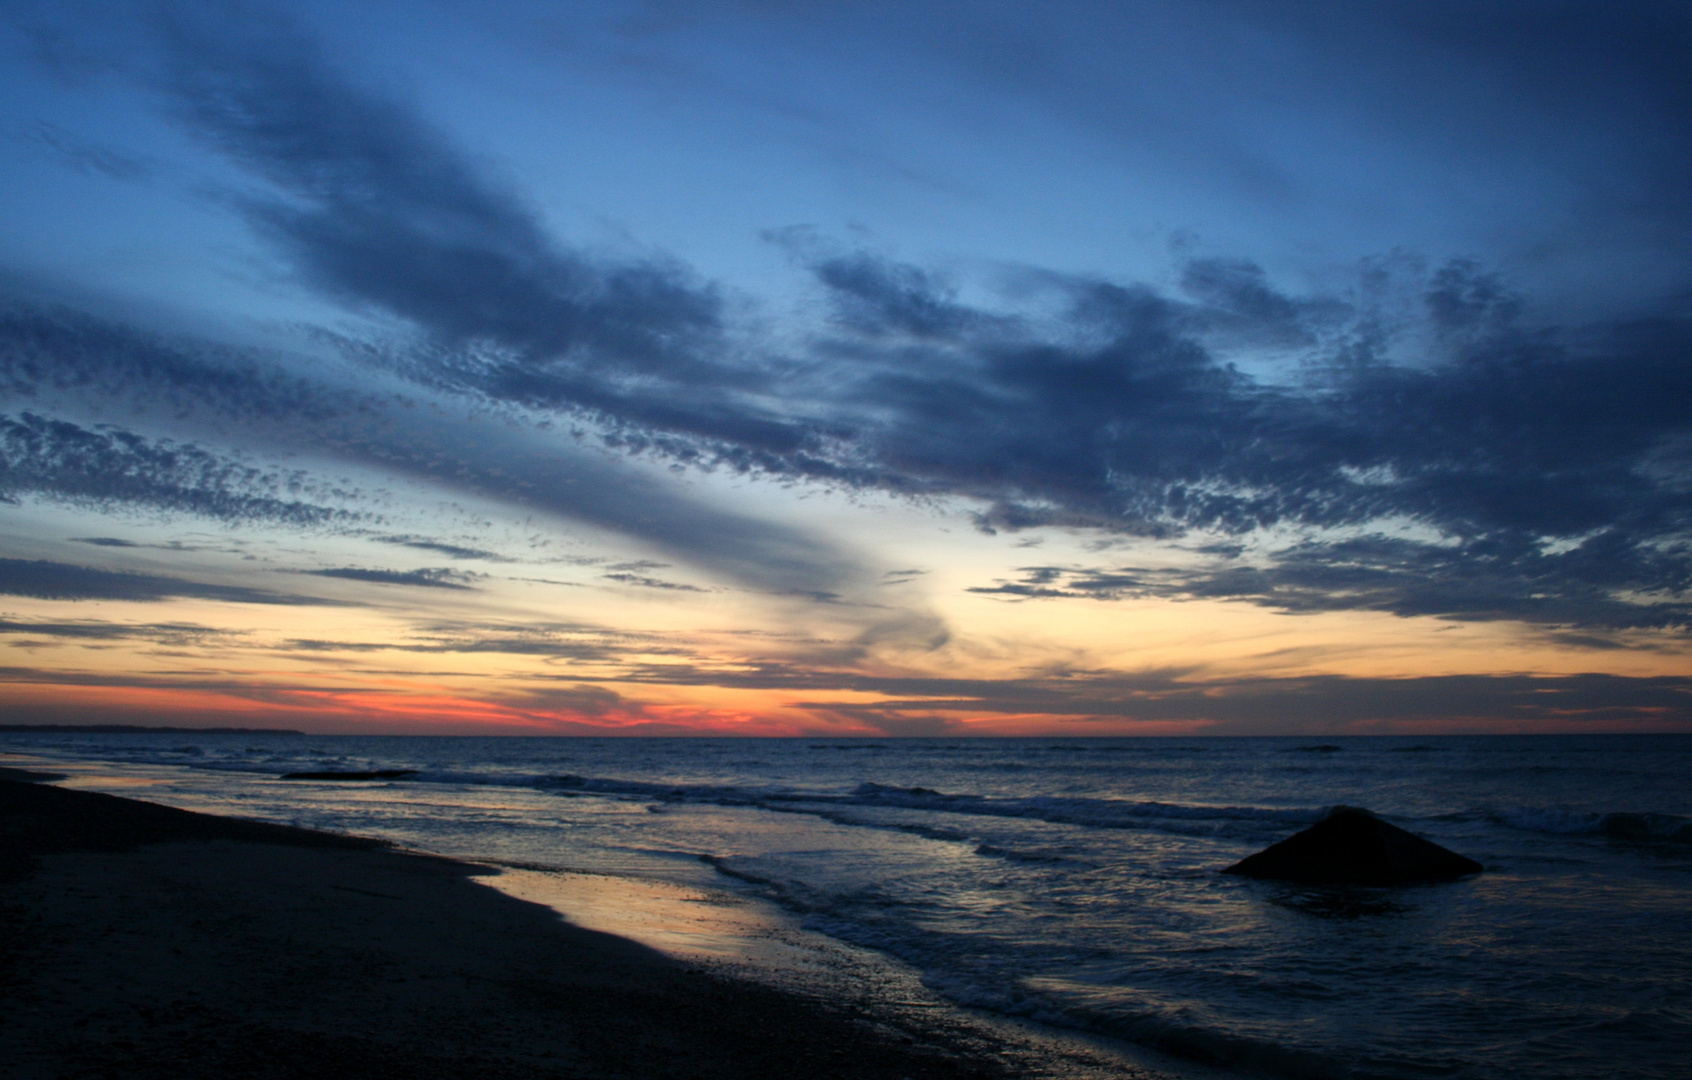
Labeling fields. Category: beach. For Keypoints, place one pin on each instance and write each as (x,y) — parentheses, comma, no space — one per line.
(1014,908)
(146,941)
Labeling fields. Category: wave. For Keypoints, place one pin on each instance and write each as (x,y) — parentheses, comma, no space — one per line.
(1168,1026)
(1085,812)
(1639,827)
(1093,813)
(994,851)
(1217,1047)
(1191,819)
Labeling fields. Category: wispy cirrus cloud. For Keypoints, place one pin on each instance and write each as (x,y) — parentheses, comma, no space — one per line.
(1336,703)
(376,208)
(551,640)
(436,578)
(110,466)
(1118,406)
(456,551)
(167,633)
(83,155)
(48,580)
(647,581)
(52,350)
(1528,469)
(52,355)
(1590,584)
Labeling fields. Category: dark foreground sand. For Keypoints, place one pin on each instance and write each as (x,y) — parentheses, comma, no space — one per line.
(142,941)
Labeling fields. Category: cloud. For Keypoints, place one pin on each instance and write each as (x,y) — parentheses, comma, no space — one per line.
(85,156)
(1592,584)
(582,699)
(1304,703)
(109,467)
(100,630)
(1545,470)
(1123,412)
(566,641)
(937,704)
(439,578)
(377,208)
(513,464)
(48,580)
(323,645)
(879,298)
(50,349)
(54,353)
(646,582)
(454,550)
(1439,447)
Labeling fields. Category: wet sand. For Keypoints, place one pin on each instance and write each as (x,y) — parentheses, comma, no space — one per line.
(149,942)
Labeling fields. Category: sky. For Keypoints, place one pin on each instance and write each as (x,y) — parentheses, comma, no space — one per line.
(847,369)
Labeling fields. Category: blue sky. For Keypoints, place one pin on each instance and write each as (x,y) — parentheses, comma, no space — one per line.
(854,368)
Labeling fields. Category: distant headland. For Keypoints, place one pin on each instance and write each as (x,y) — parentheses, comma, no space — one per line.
(136,729)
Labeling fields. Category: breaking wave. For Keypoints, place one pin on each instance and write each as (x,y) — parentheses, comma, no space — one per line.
(1642,827)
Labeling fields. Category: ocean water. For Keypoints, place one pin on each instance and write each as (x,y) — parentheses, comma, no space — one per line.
(1075,882)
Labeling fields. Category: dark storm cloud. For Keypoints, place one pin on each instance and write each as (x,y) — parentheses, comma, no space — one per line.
(47,580)
(439,578)
(109,466)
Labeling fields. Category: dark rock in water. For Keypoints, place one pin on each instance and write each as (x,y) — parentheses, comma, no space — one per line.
(1354,847)
(379,774)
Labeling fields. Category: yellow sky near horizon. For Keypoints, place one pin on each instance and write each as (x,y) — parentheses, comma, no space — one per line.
(573,630)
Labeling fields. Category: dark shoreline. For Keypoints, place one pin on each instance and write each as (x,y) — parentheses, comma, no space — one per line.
(151,942)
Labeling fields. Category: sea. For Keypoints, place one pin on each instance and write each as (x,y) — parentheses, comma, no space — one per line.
(1077,883)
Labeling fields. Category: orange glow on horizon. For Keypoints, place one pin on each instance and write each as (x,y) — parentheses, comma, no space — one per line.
(388,712)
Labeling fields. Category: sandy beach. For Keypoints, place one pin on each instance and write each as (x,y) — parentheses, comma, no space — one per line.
(146,941)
